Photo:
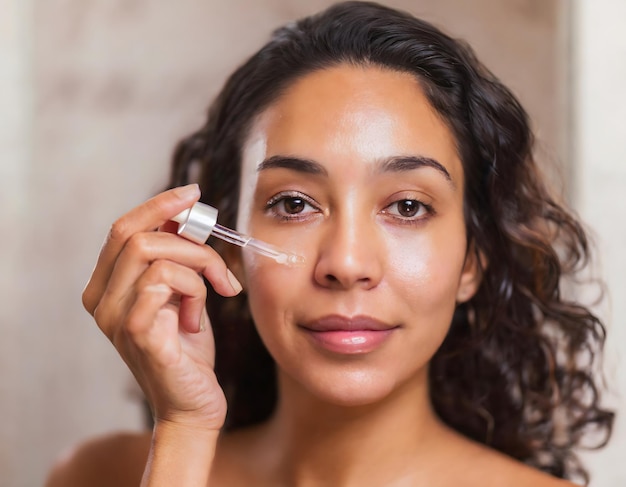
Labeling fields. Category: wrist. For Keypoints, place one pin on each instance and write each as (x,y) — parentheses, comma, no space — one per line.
(181,454)
(186,427)
(208,418)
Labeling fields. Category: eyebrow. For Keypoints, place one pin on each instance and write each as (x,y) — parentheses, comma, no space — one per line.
(392,164)
(294,163)
(409,163)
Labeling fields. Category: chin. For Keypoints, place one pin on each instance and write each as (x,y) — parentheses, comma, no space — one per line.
(354,398)
(351,387)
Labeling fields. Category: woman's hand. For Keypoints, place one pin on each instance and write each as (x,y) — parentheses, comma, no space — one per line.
(147,295)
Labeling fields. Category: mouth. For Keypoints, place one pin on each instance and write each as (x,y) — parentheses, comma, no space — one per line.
(348,335)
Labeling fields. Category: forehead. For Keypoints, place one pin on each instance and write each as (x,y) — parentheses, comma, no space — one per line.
(355,112)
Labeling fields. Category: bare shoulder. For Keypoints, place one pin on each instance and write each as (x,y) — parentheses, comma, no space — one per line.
(489,468)
(116,459)
(510,472)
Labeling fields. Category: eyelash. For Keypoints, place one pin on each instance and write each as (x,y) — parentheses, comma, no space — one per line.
(272,207)
(411,220)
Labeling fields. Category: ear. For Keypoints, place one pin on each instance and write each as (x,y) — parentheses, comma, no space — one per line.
(472,274)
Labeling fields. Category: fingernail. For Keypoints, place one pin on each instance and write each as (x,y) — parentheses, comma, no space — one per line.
(234,283)
(187,191)
(202,323)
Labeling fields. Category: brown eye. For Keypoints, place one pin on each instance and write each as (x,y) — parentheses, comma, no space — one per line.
(294,205)
(409,211)
(408,208)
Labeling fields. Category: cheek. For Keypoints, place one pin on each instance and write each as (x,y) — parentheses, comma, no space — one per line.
(426,269)
(272,289)
(423,275)
(277,295)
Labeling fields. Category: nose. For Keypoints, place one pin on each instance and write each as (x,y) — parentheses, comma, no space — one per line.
(351,254)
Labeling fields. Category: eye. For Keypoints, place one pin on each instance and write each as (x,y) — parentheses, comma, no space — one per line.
(291,206)
(409,210)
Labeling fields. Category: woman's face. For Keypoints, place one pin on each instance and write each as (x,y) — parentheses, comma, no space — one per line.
(354,170)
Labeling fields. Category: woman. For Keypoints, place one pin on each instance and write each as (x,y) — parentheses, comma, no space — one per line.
(423,342)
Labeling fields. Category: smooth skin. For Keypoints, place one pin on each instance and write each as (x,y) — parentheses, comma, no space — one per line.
(381,239)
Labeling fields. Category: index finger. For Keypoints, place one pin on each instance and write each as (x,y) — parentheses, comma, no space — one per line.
(145,217)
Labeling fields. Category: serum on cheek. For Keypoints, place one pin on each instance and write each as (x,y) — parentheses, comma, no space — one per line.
(200,221)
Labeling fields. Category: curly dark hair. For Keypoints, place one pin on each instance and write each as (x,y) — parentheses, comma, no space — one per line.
(516,369)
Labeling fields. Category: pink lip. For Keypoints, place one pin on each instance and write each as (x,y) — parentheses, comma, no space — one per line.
(340,334)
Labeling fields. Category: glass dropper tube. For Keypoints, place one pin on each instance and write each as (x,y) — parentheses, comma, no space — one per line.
(256,245)
(199,222)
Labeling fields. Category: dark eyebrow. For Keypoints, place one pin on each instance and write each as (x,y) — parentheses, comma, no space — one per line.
(408,163)
(393,164)
(293,163)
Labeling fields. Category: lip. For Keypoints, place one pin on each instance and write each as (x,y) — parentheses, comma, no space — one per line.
(348,335)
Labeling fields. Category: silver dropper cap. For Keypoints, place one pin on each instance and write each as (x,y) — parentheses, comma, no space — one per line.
(196,223)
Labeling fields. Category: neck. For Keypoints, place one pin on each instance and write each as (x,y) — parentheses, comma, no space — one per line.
(318,443)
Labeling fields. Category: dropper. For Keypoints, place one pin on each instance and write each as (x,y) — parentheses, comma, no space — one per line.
(200,221)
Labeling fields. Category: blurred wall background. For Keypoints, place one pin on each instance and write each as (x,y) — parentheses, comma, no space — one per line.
(95,93)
